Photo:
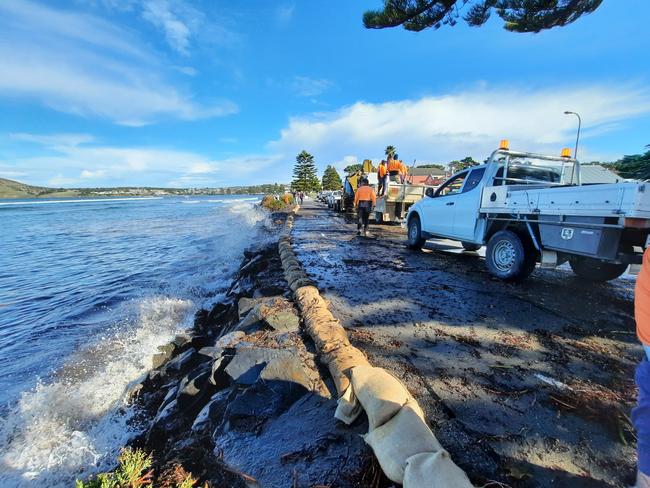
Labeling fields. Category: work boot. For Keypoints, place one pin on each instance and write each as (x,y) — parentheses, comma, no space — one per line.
(358,232)
(642,481)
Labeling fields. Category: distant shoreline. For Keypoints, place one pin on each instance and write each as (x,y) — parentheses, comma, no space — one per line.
(10,189)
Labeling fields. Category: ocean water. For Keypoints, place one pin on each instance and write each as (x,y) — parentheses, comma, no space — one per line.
(88,290)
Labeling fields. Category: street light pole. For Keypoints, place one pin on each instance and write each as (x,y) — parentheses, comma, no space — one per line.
(575,153)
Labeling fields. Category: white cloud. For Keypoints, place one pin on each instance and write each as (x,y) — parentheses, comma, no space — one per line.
(161,15)
(309,87)
(472,122)
(53,140)
(69,160)
(61,181)
(88,174)
(80,64)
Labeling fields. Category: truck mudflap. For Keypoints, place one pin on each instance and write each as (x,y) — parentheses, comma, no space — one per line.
(589,236)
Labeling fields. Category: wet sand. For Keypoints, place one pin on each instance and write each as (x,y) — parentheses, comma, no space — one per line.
(529,384)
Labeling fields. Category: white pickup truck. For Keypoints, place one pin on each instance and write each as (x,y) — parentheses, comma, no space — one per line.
(530,208)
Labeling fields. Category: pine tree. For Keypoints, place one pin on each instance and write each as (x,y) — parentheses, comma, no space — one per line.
(331,179)
(518,15)
(304,173)
(636,166)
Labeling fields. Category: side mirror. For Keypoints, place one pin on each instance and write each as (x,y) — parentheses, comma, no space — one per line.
(429,192)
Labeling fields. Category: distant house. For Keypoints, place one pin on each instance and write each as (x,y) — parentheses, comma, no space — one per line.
(595,173)
(426,176)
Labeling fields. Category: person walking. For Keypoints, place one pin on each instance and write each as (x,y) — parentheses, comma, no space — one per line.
(301,195)
(364,200)
(641,413)
(382,178)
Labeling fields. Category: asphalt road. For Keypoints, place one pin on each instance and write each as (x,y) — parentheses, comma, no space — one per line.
(530,384)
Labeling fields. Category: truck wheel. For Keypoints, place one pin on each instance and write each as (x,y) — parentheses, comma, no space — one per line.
(508,258)
(594,270)
(468,246)
(415,239)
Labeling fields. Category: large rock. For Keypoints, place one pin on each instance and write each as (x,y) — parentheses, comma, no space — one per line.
(288,369)
(275,313)
(255,265)
(166,352)
(194,390)
(211,415)
(260,402)
(183,362)
(249,361)
(166,420)
(304,446)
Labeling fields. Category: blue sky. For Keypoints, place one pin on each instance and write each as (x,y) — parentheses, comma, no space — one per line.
(216,93)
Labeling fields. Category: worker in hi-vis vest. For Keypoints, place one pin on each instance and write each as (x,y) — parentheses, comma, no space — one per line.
(382,178)
(641,413)
(403,170)
(364,200)
(393,169)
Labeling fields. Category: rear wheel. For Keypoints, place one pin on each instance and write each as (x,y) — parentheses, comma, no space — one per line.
(468,246)
(415,239)
(508,258)
(594,270)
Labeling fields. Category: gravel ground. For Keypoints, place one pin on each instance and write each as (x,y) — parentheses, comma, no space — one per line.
(529,384)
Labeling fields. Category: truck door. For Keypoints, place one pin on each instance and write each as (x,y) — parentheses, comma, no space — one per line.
(439,210)
(466,206)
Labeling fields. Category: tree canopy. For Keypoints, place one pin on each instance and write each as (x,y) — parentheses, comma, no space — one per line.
(353,168)
(437,166)
(304,173)
(636,166)
(331,179)
(466,162)
(390,151)
(518,15)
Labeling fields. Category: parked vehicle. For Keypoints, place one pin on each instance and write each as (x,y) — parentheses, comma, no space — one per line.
(530,208)
(395,204)
(334,200)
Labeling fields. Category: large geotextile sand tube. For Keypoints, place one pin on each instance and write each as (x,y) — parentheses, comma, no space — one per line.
(405,447)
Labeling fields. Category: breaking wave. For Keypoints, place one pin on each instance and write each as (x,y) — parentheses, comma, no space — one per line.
(75,420)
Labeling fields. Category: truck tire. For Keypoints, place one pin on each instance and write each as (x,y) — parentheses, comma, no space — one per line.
(594,270)
(414,235)
(508,258)
(468,246)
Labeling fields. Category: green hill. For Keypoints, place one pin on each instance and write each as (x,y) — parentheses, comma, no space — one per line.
(15,189)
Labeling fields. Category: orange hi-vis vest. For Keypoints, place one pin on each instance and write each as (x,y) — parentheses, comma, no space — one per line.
(382,171)
(642,301)
(394,165)
(365,194)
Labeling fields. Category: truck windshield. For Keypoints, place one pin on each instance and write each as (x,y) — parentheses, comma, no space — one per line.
(531,171)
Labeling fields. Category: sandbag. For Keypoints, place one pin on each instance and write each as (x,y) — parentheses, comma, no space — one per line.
(434,470)
(348,407)
(327,335)
(300,282)
(380,393)
(340,361)
(403,436)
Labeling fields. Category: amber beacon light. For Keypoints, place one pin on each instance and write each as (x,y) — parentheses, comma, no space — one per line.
(566,152)
(504,144)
